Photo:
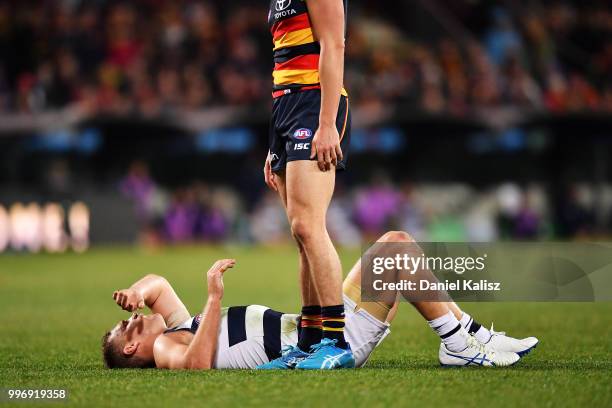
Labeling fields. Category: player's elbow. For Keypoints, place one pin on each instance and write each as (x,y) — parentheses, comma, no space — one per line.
(197,364)
(201,360)
(157,278)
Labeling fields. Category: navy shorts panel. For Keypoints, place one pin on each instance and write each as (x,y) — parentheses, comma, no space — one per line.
(295,119)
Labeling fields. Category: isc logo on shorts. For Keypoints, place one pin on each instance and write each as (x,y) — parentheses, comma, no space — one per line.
(302,134)
(301,146)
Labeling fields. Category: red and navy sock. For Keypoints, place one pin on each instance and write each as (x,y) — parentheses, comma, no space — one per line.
(332,318)
(310,327)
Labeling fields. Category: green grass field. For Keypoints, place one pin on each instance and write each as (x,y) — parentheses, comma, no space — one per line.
(56,308)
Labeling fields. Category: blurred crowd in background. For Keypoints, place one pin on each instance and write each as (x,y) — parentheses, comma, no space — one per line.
(145,58)
(157,56)
(430,212)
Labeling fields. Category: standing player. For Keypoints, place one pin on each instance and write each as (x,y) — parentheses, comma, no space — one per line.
(311,120)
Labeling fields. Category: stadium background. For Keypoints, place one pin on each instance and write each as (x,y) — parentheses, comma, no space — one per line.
(135,131)
(473,121)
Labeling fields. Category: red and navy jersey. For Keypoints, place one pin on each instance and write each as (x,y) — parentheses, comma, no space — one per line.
(296,52)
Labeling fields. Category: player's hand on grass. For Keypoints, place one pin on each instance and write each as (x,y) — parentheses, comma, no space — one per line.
(129,299)
(215,277)
(326,147)
(268,174)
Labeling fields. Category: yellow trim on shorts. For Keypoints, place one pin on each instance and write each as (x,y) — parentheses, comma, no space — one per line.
(379,310)
(345,115)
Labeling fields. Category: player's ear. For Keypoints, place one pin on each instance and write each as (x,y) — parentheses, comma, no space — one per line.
(130,348)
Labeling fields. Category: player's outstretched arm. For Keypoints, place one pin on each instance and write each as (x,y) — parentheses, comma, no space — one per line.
(199,354)
(157,294)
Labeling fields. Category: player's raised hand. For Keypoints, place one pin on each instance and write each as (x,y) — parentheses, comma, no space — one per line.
(215,276)
(326,147)
(129,299)
(268,174)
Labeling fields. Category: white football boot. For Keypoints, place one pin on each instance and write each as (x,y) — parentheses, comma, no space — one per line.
(476,354)
(501,342)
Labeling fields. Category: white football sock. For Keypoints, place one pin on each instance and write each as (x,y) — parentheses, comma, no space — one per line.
(477,330)
(450,331)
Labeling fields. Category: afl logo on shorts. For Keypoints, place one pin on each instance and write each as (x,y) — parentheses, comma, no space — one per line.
(282,4)
(302,134)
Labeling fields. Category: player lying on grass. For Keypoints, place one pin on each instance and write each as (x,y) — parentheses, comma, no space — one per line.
(258,337)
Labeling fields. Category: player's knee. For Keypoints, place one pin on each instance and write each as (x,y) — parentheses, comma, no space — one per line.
(396,236)
(302,230)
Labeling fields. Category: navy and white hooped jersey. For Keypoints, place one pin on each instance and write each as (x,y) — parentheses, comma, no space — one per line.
(248,335)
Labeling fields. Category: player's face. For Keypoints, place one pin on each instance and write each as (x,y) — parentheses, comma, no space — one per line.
(139,327)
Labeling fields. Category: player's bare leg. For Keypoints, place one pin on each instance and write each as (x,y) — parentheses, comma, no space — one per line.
(311,309)
(307,289)
(309,192)
(306,193)
(311,330)
(457,347)
(429,310)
